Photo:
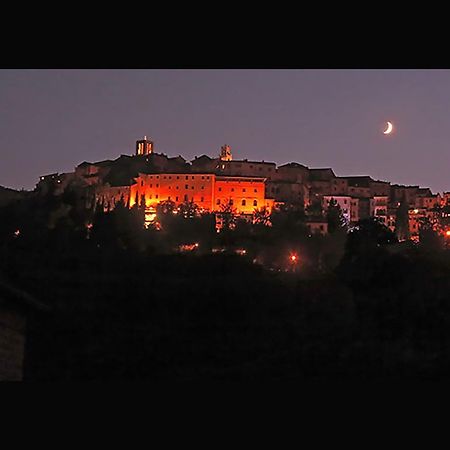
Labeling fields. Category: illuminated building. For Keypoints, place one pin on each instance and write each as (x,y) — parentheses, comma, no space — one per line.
(208,191)
(144,147)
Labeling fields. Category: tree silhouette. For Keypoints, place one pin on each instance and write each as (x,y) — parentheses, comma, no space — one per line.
(188,210)
(335,218)
(227,215)
(262,217)
(402,221)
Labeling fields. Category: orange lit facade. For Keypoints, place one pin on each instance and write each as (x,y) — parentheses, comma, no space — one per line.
(208,191)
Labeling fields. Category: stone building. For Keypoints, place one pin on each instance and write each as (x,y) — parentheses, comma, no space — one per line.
(16,307)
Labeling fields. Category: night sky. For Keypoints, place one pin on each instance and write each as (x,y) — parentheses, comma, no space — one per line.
(52,120)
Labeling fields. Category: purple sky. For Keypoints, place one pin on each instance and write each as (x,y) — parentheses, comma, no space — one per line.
(51,120)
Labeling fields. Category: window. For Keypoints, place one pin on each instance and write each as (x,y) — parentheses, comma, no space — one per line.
(151,185)
(168,198)
(231,201)
(203,187)
(150,196)
(157,185)
(256,190)
(142,183)
(186,186)
(156,196)
(187,178)
(164,177)
(255,202)
(232,189)
(220,189)
(321,227)
(203,177)
(192,177)
(202,199)
(243,190)
(178,187)
(243,202)
(207,178)
(185,197)
(192,187)
(157,176)
(218,201)
(178,177)
(176,199)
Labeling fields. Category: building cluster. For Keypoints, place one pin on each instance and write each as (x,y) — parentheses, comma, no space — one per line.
(148,178)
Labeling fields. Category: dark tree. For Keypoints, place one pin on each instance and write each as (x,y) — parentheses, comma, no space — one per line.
(335,218)
(402,221)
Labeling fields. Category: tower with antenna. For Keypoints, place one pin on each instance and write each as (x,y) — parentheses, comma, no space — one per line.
(144,147)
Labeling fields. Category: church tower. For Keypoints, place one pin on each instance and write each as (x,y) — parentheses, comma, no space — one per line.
(144,147)
(225,153)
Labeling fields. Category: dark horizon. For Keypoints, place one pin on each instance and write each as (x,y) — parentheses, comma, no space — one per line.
(52,120)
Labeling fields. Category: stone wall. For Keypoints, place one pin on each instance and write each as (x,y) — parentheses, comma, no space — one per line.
(12,344)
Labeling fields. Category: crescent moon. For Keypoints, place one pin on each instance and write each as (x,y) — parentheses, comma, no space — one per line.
(389,128)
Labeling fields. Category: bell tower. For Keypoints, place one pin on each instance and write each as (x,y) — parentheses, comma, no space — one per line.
(225,153)
(144,147)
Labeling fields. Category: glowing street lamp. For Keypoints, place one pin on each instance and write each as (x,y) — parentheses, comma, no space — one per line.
(293,259)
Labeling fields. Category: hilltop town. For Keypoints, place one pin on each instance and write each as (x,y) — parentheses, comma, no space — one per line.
(152,267)
(148,178)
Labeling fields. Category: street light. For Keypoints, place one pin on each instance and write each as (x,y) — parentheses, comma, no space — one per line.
(293,259)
